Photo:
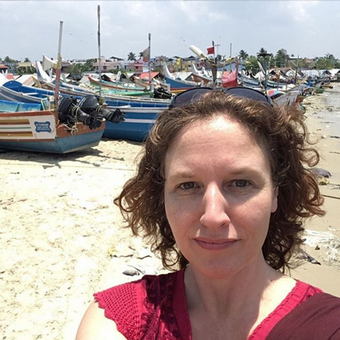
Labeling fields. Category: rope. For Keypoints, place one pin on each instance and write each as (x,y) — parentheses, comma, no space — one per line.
(329,196)
(72,129)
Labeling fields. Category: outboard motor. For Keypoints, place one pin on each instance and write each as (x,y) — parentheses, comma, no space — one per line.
(90,104)
(88,111)
(160,93)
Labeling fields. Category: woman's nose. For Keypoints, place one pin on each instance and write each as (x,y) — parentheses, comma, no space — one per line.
(214,208)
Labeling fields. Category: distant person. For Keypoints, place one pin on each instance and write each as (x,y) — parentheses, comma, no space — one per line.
(221,193)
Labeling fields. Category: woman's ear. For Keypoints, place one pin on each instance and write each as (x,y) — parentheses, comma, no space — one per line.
(275,199)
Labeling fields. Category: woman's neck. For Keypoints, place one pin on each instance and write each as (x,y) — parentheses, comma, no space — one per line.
(239,302)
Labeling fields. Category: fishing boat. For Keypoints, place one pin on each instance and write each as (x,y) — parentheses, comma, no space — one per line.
(248,81)
(177,85)
(119,88)
(136,125)
(40,131)
(73,127)
(112,99)
(283,98)
(59,125)
(201,76)
(15,91)
(10,106)
(229,79)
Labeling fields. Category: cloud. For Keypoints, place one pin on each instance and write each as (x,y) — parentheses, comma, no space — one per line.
(31,28)
(301,11)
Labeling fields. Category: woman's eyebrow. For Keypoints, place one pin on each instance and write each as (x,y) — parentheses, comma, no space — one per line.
(188,174)
(179,174)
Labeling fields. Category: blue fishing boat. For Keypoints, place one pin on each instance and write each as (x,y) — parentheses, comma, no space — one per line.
(136,126)
(177,85)
(10,106)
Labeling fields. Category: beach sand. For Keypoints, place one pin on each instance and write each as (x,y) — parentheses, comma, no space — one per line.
(62,239)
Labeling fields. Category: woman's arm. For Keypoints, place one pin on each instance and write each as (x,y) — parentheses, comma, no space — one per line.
(95,326)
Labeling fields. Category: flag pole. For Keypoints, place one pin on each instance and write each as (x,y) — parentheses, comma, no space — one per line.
(58,69)
(99,54)
(149,62)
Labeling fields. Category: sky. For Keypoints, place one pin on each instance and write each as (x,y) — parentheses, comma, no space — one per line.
(30,29)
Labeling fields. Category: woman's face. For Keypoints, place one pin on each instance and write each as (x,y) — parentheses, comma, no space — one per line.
(218,196)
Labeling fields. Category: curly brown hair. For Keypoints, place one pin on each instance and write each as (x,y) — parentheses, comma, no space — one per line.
(283,133)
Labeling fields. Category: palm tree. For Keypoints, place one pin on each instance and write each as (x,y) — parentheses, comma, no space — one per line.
(262,51)
(243,55)
(131,56)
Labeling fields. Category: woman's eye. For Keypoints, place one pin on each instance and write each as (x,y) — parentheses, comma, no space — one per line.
(240,183)
(188,185)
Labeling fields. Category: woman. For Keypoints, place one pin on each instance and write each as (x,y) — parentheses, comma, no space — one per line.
(221,193)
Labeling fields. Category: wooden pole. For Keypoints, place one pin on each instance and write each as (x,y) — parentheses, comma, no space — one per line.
(99,55)
(58,70)
(149,62)
(231,52)
(296,71)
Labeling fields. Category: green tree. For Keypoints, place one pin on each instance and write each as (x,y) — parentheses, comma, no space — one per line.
(262,50)
(11,63)
(75,69)
(281,58)
(243,55)
(265,60)
(330,57)
(323,64)
(25,70)
(9,60)
(303,63)
(88,66)
(327,62)
(27,60)
(78,69)
(131,56)
(251,65)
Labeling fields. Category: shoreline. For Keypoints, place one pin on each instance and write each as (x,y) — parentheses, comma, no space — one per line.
(323,122)
(62,237)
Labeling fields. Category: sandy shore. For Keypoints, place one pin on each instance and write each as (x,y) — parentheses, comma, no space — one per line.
(62,237)
(323,234)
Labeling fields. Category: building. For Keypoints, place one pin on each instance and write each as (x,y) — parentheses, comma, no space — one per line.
(3,68)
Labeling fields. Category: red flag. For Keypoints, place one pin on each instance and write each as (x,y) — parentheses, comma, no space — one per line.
(146,55)
(211,50)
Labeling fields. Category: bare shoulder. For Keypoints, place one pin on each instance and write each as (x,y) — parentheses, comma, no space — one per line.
(95,325)
(278,290)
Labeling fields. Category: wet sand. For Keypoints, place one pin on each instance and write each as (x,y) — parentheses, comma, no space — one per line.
(62,238)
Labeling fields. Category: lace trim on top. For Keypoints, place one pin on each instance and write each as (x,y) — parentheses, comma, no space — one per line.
(155,307)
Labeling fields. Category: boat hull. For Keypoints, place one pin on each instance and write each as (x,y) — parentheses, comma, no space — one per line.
(58,145)
(179,85)
(136,126)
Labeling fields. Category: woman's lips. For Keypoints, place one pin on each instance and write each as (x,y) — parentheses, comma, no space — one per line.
(215,244)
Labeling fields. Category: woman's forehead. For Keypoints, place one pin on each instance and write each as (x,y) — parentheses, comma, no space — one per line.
(221,131)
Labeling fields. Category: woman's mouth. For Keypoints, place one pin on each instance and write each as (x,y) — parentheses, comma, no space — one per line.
(215,244)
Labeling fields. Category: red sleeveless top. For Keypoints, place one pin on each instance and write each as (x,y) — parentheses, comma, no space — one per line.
(154,307)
